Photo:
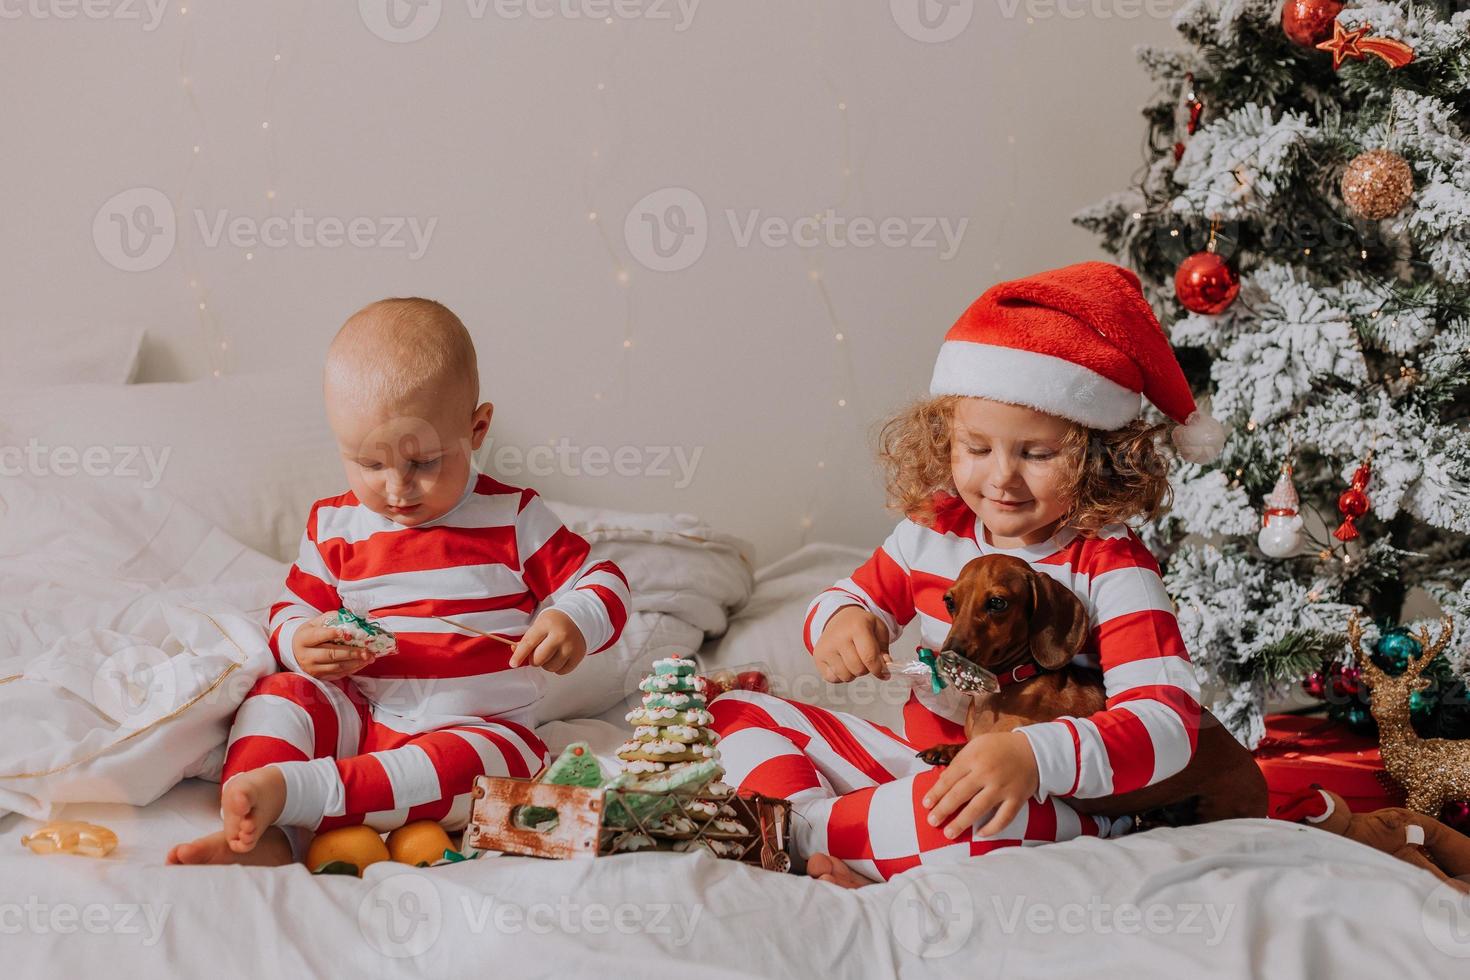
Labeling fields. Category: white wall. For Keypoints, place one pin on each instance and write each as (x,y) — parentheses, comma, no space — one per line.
(488,126)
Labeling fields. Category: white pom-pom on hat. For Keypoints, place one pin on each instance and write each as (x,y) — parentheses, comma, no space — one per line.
(1200,439)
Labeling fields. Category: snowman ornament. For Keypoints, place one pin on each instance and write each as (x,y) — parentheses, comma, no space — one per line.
(1281,532)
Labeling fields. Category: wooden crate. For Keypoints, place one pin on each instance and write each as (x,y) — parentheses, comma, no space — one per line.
(583,830)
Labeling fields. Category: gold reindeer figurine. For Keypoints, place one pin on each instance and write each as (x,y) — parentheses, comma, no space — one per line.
(1432,771)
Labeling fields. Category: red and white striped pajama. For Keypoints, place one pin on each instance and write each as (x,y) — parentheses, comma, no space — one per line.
(857,787)
(403,738)
(342,767)
(863,806)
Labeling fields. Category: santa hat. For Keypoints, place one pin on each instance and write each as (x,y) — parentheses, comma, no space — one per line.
(1311,805)
(1079,342)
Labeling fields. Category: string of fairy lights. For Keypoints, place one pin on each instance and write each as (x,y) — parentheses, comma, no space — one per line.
(830,318)
(218,347)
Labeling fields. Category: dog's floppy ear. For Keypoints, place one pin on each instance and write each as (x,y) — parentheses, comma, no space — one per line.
(1058,622)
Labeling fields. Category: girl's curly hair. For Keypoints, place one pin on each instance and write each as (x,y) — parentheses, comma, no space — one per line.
(1111,476)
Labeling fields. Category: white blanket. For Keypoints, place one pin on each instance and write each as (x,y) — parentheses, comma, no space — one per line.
(131,628)
(1244,898)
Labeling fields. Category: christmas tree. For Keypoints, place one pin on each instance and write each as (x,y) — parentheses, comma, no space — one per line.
(1302,225)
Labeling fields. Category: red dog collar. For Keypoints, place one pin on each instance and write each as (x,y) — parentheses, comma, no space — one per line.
(1017,674)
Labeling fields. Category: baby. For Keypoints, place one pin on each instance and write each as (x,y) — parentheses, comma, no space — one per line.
(482,585)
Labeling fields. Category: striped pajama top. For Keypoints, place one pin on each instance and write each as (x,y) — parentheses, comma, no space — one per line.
(487,566)
(1149,729)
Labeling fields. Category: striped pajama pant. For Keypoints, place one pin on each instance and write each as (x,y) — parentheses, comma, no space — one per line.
(343,766)
(857,788)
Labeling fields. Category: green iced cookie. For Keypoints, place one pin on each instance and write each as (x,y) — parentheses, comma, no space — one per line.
(673,665)
(677,700)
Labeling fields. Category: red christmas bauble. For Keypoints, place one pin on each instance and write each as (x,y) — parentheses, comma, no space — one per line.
(1352,502)
(1205,283)
(1306,22)
(1314,684)
(753,680)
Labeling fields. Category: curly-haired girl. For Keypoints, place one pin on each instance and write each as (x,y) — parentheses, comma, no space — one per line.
(1030,445)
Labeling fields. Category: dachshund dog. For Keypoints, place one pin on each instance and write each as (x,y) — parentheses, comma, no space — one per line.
(1006,616)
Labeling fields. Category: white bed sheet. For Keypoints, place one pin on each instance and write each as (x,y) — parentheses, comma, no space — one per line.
(1248,898)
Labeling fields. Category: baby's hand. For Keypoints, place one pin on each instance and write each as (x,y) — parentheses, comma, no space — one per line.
(322,654)
(853,643)
(993,772)
(553,643)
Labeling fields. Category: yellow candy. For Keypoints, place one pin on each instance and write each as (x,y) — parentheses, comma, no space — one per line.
(72,837)
(420,842)
(358,846)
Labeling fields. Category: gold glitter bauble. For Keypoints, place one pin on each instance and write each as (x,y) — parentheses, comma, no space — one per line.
(1377,184)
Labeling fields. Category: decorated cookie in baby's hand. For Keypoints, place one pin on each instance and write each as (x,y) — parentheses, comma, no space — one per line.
(358,630)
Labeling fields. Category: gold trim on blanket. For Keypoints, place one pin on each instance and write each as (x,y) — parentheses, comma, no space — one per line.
(146,728)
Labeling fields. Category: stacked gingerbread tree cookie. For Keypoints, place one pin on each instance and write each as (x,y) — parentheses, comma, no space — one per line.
(671,728)
(672,758)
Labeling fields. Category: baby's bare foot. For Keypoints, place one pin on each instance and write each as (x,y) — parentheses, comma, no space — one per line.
(272,849)
(251,802)
(825,867)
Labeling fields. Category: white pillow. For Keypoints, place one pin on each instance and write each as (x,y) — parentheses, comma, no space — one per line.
(36,355)
(766,635)
(249,452)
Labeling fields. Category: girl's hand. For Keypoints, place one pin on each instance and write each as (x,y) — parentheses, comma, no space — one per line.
(553,643)
(320,652)
(995,771)
(853,643)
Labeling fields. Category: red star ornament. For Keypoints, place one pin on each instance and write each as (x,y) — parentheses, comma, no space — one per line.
(1357,45)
